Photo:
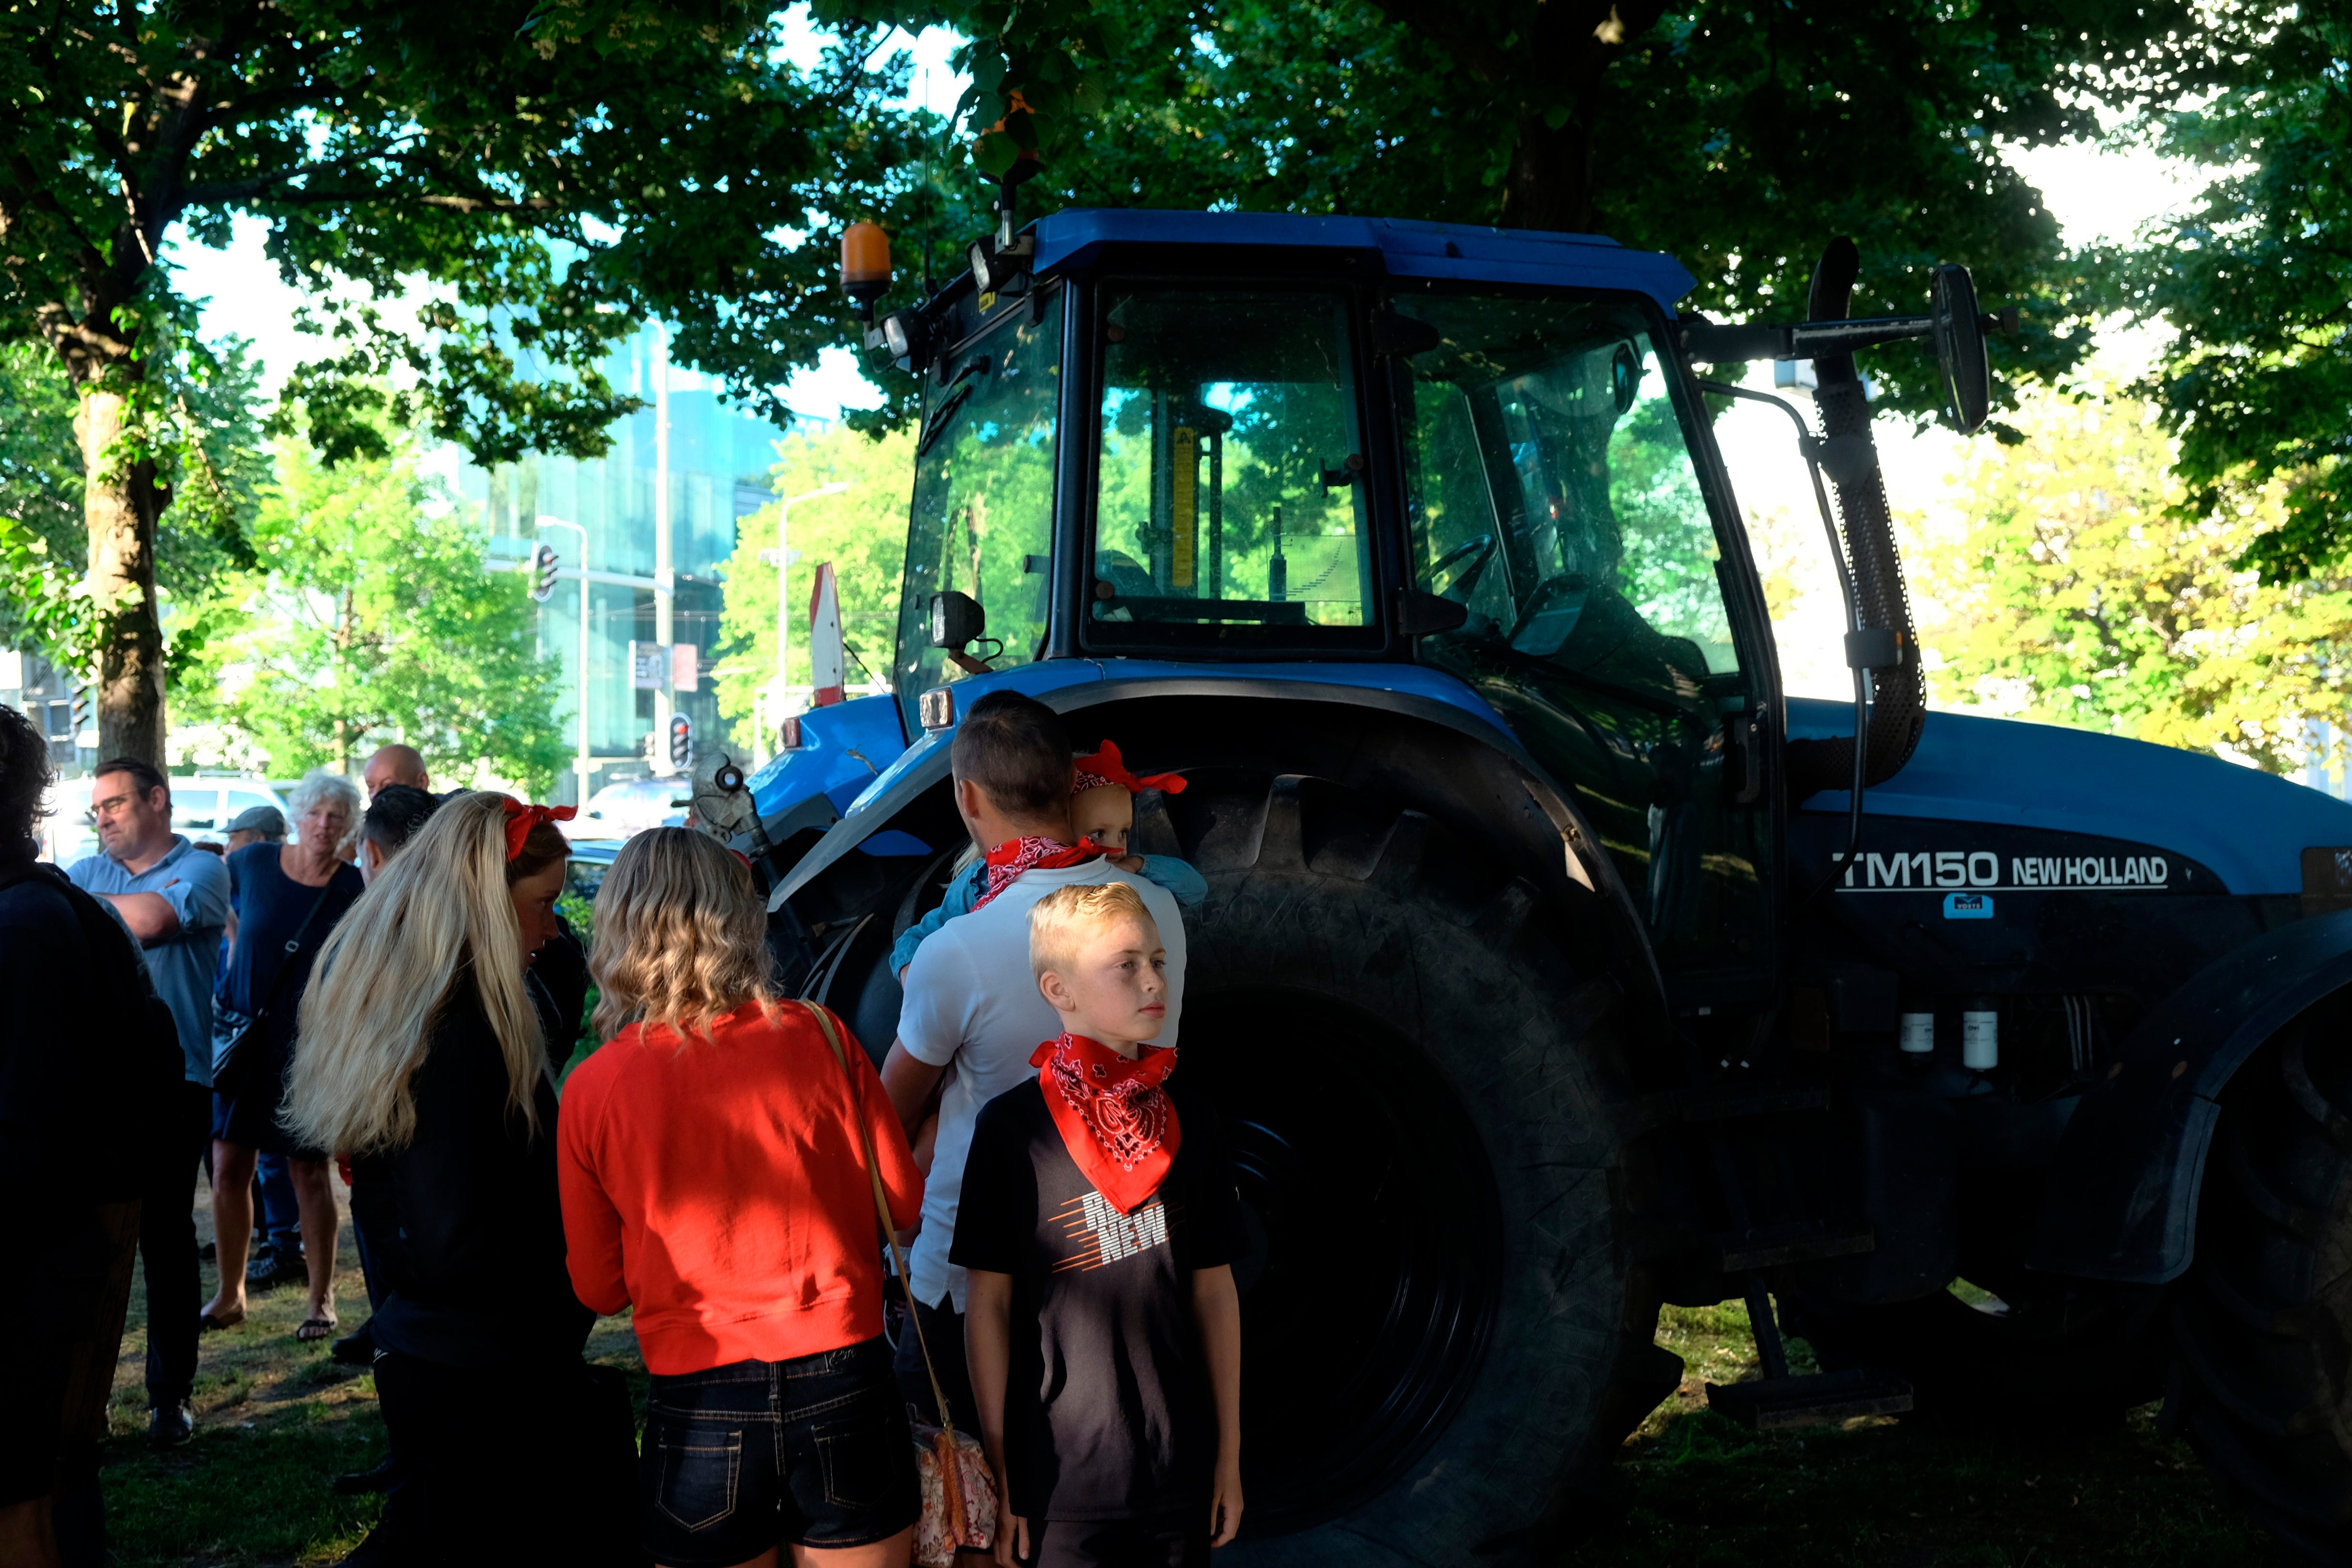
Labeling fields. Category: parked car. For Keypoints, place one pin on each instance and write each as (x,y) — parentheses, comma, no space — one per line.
(591,859)
(632,805)
(202,807)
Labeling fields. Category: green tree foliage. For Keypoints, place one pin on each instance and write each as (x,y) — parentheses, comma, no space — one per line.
(548,173)
(367,617)
(2253,284)
(1738,138)
(863,531)
(2085,594)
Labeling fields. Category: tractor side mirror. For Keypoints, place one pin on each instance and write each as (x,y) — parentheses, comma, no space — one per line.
(1960,347)
(957,620)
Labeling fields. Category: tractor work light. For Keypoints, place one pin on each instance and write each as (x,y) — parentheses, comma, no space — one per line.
(903,337)
(788,734)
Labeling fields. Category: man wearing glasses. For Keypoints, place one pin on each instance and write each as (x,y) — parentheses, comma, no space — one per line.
(173,897)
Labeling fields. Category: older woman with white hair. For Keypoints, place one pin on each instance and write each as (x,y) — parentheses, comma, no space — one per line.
(287,898)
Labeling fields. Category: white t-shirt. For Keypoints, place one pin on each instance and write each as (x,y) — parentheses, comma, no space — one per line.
(972,1006)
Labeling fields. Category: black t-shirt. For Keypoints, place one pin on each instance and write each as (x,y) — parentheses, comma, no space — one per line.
(1108,1412)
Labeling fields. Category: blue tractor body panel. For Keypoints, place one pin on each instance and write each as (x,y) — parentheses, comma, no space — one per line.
(1454,252)
(838,742)
(2249,827)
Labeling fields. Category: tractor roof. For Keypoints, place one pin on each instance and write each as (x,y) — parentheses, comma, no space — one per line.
(1460,252)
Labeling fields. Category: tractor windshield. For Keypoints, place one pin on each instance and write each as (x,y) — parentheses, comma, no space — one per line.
(984,511)
(1231,510)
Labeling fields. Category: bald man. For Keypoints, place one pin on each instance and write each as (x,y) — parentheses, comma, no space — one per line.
(397,765)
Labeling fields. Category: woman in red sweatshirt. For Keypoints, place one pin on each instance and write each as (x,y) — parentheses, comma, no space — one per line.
(714,1180)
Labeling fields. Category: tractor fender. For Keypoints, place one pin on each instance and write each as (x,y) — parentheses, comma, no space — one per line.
(2121,1200)
(1495,778)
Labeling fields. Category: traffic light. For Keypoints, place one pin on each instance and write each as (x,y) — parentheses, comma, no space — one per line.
(681,742)
(83,716)
(542,573)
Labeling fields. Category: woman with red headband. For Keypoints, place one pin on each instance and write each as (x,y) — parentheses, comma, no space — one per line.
(421,1056)
(1102,814)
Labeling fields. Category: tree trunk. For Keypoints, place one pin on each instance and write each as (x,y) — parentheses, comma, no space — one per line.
(1549,185)
(121,502)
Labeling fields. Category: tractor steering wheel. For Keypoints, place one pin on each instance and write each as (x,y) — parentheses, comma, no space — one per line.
(1460,589)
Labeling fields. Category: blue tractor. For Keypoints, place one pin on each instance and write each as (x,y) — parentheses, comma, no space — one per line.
(2011,1065)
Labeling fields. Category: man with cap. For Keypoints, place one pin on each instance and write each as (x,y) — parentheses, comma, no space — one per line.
(257,824)
(277,1256)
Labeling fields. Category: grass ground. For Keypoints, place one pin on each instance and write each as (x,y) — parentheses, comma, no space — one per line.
(276,1418)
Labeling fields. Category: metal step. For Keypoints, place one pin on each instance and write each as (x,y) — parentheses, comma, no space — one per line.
(1801,1241)
(1774,1404)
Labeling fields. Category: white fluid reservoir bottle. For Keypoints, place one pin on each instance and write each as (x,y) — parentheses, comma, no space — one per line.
(1918,1038)
(1981,1040)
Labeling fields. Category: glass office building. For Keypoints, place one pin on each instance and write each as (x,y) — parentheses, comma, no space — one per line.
(717,471)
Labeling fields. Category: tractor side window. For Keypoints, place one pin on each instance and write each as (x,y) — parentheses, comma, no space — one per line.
(983,509)
(1232,508)
(1551,493)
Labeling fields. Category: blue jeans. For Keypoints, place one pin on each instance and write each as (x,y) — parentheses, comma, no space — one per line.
(282,1217)
(814,1451)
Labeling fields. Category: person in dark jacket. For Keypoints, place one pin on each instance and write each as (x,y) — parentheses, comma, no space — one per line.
(87,1057)
(422,1054)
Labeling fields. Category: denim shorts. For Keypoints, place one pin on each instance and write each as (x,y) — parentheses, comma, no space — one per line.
(758,1454)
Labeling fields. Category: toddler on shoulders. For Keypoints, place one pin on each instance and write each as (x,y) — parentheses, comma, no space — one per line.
(1102,812)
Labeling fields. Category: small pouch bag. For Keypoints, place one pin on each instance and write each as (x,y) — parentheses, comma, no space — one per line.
(959,1489)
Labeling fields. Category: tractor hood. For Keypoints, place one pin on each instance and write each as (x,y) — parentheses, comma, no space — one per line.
(2249,827)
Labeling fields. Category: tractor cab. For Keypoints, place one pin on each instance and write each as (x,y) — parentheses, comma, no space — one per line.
(1229,440)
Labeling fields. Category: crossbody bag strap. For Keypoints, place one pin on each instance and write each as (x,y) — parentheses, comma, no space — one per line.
(882,1209)
(293,946)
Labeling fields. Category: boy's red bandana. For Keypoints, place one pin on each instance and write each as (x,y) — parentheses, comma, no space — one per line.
(521,819)
(1106,767)
(1117,1123)
(1008,860)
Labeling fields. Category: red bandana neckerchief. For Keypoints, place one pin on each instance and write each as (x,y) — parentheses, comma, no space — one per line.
(521,819)
(1117,1123)
(1008,860)
(1104,767)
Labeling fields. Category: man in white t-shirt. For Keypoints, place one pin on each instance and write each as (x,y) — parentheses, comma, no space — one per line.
(972,1015)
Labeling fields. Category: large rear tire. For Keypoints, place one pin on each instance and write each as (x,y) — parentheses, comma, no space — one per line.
(1446,1336)
(2263,1381)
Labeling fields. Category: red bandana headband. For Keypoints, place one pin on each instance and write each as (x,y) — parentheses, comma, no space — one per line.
(1106,767)
(521,819)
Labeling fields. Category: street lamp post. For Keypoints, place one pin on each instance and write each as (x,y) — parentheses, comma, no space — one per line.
(580,762)
(780,557)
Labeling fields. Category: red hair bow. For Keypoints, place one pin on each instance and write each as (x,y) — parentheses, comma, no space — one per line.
(521,819)
(1106,767)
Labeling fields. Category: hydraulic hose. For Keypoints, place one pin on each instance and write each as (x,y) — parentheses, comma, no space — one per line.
(1898,709)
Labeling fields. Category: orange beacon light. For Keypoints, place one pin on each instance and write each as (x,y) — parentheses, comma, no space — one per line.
(864,264)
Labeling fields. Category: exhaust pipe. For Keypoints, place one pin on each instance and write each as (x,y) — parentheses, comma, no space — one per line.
(1898,709)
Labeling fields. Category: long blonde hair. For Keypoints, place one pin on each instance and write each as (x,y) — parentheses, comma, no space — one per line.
(438,913)
(681,935)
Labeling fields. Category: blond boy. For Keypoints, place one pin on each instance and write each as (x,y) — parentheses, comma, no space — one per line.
(1099,1207)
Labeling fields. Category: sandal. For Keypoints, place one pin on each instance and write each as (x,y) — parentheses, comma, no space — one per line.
(315,1329)
(206,1323)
